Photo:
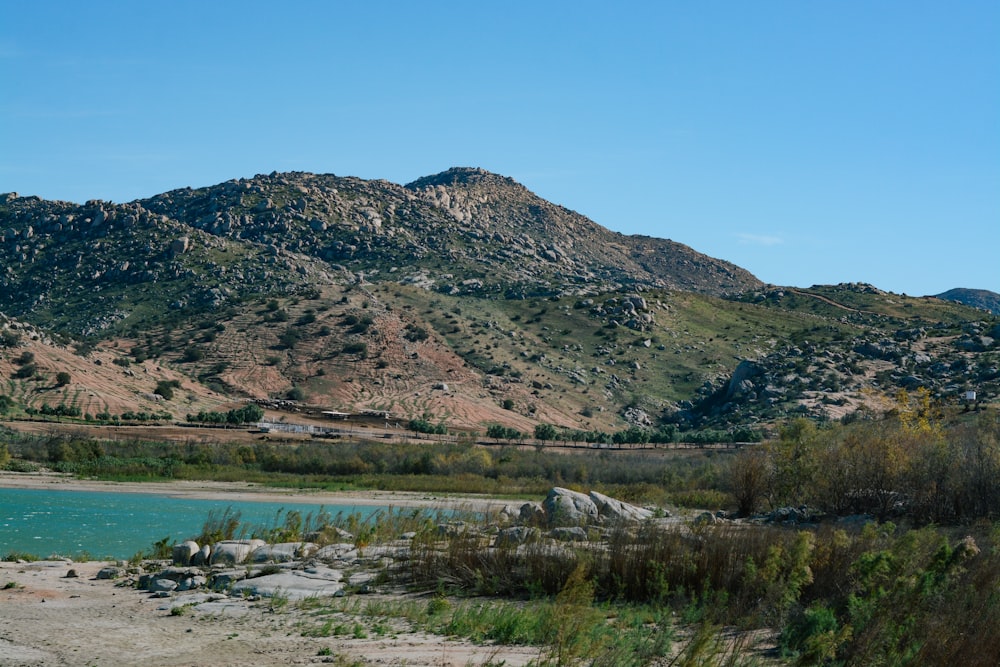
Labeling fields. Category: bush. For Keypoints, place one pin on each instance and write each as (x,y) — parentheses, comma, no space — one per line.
(359,348)
(9,338)
(415,333)
(165,388)
(26,371)
(289,338)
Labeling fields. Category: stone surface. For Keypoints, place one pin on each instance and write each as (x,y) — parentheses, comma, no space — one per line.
(615,511)
(111,572)
(234,552)
(183,553)
(569,534)
(295,584)
(564,507)
(515,535)
(161,585)
(283,552)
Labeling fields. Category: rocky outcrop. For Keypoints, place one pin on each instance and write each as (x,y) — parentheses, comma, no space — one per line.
(615,511)
(296,584)
(564,507)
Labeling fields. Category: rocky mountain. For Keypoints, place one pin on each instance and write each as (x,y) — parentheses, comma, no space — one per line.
(460,298)
(977,298)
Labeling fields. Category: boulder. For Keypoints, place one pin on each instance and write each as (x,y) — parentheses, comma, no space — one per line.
(191,583)
(183,553)
(283,552)
(234,552)
(295,584)
(180,245)
(611,510)
(532,513)
(338,551)
(110,572)
(203,556)
(453,529)
(569,534)
(161,586)
(515,535)
(226,578)
(569,508)
(705,519)
(508,514)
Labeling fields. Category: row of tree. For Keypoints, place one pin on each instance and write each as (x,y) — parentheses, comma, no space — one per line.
(248,414)
(633,435)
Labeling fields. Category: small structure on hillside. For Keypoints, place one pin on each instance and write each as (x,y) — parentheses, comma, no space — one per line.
(969,398)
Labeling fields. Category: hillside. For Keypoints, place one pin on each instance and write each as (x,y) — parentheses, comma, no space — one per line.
(459,298)
(977,298)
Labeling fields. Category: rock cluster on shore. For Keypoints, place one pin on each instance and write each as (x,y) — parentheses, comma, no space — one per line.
(223,576)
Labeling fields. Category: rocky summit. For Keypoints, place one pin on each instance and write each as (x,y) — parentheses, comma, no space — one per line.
(458,300)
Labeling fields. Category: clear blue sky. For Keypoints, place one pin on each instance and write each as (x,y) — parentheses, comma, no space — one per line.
(809,142)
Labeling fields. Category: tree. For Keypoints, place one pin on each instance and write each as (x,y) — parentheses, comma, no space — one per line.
(165,388)
(545,432)
(794,460)
(501,432)
(748,478)
(63,378)
(26,371)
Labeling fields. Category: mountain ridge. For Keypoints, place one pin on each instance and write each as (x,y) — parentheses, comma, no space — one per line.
(461,296)
(977,298)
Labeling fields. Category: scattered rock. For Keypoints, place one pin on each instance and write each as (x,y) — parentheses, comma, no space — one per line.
(569,534)
(110,572)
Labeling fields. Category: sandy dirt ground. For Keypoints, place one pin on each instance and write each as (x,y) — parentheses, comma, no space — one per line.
(47,618)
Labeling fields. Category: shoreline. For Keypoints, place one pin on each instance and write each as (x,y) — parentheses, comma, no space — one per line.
(246,492)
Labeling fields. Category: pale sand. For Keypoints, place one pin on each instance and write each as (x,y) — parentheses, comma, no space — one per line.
(47,619)
(243,491)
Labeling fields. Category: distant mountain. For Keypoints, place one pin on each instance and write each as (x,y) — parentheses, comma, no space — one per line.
(464,231)
(977,298)
(460,297)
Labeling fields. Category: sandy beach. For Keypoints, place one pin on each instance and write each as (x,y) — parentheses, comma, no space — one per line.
(243,491)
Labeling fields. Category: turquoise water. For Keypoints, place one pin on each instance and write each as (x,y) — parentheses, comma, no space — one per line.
(117,525)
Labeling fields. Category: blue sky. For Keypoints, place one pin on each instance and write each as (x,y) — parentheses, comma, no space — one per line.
(808,142)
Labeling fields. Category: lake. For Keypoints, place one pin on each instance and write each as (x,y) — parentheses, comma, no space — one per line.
(47,522)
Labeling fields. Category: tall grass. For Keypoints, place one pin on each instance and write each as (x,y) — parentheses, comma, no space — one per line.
(881,595)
